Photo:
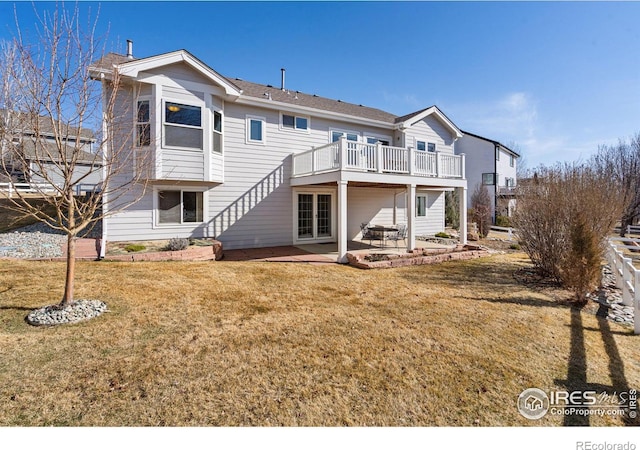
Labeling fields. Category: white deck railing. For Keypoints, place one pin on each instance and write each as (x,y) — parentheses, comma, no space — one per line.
(358,156)
(10,189)
(626,275)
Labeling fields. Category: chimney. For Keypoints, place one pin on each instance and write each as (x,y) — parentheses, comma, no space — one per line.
(282,82)
(129,49)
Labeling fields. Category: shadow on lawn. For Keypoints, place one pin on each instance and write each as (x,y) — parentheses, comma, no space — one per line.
(479,275)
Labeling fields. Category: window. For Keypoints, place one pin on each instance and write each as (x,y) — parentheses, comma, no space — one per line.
(217,132)
(143,127)
(421,145)
(509,182)
(431,147)
(256,129)
(497,154)
(489,179)
(178,207)
(512,160)
(421,206)
(182,125)
(295,122)
(337,135)
(375,140)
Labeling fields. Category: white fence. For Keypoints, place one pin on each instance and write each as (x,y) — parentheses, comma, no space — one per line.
(626,275)
(508,230)
(10,189)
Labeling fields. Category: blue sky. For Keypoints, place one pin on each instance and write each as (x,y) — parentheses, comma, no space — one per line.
(557,78)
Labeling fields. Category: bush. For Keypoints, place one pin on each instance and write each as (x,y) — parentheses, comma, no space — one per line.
(452,210)
(134,248)
(481,209)
(176,244)
(503,221)
(442,234)
(514,247)
(563,217)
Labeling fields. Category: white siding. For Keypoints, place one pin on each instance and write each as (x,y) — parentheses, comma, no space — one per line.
(432,130)
(433,222)
(374,206)
(480,158)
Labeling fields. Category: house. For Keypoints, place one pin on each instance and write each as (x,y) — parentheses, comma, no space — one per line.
(256,165)
(494,165)
(30,154)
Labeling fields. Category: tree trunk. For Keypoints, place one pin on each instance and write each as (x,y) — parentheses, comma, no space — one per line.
(71,271)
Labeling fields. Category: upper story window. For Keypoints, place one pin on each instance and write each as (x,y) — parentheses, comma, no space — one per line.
(421,145)
(375,140)
(217,132)
(182,125)
(512,160)
(256,130)
(295,122)
(431,147)
(497,154)
(143,124)
(336,135)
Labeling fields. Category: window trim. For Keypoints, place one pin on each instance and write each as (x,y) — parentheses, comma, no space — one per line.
(493,178)
(512,161)
(181,189)
(426,203)
(215,111)
(295,123)
(418,142)
(378,138)
(263,120)
(142,98)
(164,123)
(497,154)
(432,145)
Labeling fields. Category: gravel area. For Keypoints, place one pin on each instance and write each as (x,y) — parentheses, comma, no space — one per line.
(32,241)
(36,241)
(76,312)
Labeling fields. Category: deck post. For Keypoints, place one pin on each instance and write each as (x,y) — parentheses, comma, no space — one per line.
(378,157)
(342,222)
(462,199)
(411,217)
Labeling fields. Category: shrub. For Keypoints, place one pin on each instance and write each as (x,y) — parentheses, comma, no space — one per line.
(481,209)
(134,248)
(176,244)
(514,247)
(503,221)
(442,234)
(452,209)
(563,217)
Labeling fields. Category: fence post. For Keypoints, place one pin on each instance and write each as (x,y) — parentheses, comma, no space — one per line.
(619,268)
(378,157)
(627,283)
(636,301)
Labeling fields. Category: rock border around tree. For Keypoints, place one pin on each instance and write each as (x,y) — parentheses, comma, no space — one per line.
(78,311)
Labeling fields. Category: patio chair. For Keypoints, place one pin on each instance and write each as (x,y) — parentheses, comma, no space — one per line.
(400,235)
(367,233)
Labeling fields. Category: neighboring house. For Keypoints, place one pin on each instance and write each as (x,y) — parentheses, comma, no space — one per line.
(493,164)
(30,154)
(258,166)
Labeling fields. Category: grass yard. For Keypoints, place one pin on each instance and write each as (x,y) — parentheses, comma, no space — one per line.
(237,343)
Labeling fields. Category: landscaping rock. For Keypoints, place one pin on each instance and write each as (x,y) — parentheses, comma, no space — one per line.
(75,312)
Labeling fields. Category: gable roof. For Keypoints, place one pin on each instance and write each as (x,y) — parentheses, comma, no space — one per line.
(254,92)
(27,123)
(410,119)
(132,67)
(516,154)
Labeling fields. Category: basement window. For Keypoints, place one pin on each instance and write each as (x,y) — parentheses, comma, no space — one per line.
(179,207)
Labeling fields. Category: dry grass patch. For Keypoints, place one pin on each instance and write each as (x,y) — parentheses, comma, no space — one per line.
(229,343)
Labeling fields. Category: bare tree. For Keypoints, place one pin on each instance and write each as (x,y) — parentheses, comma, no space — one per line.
(51,108)
(622,163)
